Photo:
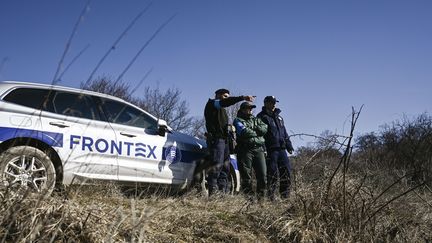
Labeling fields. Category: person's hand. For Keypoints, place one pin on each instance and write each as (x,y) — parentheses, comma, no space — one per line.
(249,98)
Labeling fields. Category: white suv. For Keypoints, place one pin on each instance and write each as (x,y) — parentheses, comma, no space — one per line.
(52,134)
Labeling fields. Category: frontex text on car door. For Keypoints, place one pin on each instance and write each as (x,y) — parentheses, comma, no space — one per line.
(141,158)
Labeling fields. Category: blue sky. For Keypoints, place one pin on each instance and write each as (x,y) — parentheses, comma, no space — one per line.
(319,58)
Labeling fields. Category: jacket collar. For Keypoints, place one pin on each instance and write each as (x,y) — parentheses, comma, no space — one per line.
(276,112)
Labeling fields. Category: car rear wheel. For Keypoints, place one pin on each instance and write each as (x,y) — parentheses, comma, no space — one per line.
(25,169)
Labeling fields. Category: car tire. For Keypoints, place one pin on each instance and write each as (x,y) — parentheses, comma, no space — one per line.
(25,169)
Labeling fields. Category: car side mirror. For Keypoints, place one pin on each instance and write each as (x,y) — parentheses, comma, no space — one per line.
(162,127)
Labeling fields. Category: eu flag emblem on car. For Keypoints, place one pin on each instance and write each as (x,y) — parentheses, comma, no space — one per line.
(173,154)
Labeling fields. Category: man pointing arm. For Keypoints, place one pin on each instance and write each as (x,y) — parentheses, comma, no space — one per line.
(216,119)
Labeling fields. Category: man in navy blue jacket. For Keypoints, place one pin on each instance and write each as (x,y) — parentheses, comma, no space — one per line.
(277,144)
(216,119)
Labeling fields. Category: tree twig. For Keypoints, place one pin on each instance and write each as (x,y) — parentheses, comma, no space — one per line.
(389,187)
(391,200)
(141,81)
(322,138)
(69,42)
(116,42)
(344,162)
(70,64)
(345,155)
(3,62)
(143,47)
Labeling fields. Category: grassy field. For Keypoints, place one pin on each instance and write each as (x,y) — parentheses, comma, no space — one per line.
(351,208)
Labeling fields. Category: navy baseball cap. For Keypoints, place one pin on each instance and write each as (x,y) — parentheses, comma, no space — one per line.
(222,91)
(270,99)
(247,105)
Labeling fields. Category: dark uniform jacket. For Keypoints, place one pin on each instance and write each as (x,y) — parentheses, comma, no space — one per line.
(276,137)
(250,131)
(216,116)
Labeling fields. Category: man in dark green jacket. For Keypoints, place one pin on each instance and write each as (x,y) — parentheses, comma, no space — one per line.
(251,149)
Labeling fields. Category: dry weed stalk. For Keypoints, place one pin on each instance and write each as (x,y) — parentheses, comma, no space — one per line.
(69,42)
(116,42)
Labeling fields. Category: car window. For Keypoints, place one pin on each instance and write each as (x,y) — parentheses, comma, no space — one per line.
(74,104)
(33,98)
(121,113)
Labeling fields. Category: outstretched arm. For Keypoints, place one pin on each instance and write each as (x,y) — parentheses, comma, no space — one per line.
(232,100)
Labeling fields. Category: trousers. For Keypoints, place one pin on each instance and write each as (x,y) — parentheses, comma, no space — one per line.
(278,168)
(252,159)
(218,173)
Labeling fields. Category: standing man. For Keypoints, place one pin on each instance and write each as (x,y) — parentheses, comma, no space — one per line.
(217,133)
(278,144)
(250,150)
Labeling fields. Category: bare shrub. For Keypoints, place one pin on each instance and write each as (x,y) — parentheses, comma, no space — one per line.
(347,204)
(105,85)
(312,161)
(404,146)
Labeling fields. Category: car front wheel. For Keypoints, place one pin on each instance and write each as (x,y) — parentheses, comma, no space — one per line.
(25,169)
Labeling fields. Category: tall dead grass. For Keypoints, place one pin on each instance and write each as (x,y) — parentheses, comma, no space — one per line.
(311,214)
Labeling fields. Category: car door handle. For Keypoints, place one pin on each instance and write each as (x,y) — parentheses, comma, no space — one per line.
(127,134)
(59,124)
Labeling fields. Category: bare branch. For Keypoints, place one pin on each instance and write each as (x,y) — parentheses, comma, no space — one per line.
(143,47)
(72,62)
(74,31)
(323,138)
(391,200)
(3,62)
(116,42)
(346,156)
(142,81)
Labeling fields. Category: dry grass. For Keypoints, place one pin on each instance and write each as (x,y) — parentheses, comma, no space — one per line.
(101,215)
(312,214)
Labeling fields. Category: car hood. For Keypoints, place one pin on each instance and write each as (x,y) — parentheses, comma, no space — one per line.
(187,142)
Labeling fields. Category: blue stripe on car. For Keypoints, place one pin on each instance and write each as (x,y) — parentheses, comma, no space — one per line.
(234,163)
(51,138)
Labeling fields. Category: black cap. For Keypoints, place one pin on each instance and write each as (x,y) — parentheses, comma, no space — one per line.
(222,91)
(270,99)
(247,105)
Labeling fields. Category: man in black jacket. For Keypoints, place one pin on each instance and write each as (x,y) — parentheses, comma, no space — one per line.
(277,144)
(217,133)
